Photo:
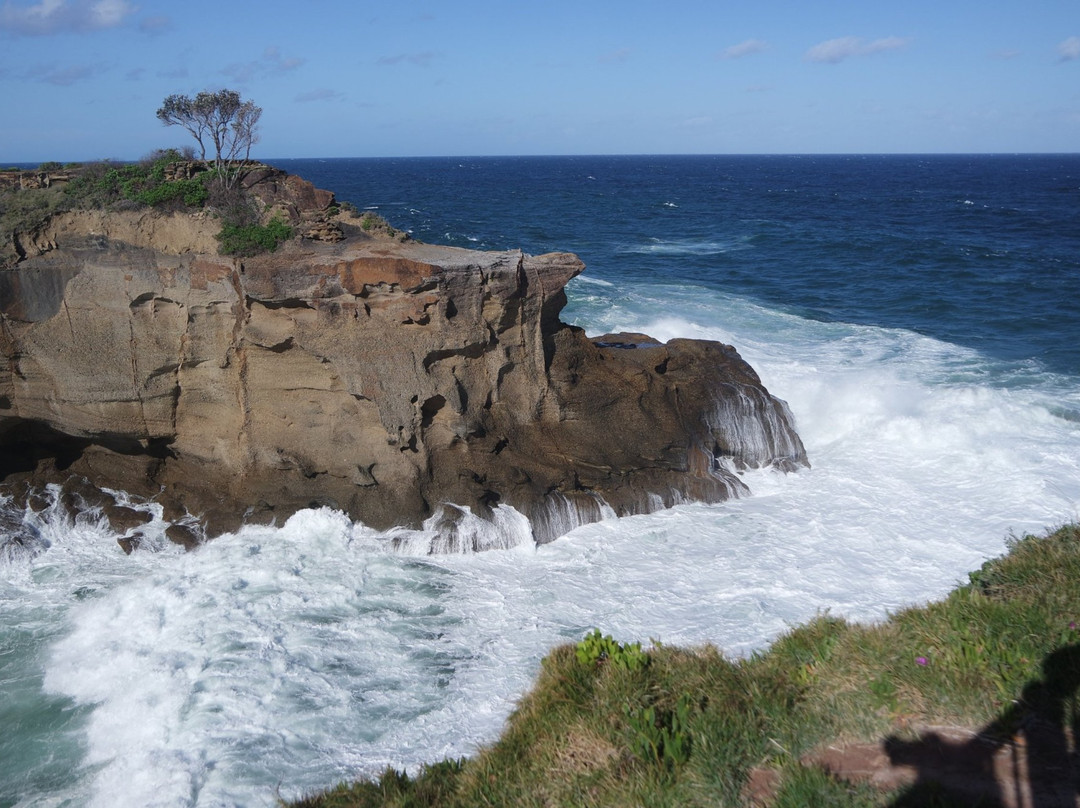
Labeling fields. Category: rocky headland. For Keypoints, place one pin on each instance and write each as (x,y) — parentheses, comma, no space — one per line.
(406,384)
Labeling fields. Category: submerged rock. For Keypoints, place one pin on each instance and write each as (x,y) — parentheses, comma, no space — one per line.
(400,382)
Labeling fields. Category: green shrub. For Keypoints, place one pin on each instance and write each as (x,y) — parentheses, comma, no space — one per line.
(247,240)
(596,649)
(192,193)
(106,184)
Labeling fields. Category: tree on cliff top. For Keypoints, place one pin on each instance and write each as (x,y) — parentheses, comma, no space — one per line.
(230,124)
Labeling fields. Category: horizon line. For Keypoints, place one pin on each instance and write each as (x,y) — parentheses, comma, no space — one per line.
(34,163)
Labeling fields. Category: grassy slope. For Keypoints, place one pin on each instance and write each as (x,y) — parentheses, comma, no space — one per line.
(578,738)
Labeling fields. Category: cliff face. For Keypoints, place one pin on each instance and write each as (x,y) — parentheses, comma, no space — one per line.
(399,382)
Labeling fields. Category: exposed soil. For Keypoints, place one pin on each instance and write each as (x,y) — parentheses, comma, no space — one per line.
(1038,766)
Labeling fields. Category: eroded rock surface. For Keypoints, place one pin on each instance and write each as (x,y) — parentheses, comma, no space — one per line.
(399,382)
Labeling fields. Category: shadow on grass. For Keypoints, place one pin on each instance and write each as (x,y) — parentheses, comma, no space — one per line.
(1026,758)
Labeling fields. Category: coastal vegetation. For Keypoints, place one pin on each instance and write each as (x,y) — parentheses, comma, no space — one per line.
(221,120)
(996,662)
(110,185)
(153,182)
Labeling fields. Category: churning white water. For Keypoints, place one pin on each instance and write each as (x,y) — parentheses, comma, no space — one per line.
(283,659)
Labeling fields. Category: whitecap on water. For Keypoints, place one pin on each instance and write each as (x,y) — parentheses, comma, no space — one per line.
(693,247)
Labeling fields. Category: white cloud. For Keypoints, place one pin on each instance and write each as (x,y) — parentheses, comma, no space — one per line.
(833,51)
(61,16)
(109,13)
(1069,49)
(750,46)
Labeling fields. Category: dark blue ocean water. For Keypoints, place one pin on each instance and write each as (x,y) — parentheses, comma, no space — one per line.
(982,251)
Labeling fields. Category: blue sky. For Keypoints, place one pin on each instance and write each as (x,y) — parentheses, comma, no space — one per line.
(82,79)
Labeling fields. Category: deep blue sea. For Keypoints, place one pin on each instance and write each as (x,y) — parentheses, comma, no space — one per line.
(919,314)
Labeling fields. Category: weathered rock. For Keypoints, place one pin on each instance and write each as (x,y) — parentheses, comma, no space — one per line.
(385,379)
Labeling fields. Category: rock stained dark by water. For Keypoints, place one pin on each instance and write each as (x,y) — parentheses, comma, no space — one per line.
(398,382)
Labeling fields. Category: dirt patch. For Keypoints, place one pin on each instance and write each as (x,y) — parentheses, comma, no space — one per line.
(1037,766)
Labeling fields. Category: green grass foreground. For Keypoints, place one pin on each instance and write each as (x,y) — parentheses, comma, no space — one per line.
(687,727)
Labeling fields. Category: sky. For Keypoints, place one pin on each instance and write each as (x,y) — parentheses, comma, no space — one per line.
(82,79)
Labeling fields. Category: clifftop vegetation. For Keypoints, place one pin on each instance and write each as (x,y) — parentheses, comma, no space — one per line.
(257,206)
(167,181)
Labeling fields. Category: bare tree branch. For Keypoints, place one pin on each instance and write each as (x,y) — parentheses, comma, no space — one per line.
(229,123)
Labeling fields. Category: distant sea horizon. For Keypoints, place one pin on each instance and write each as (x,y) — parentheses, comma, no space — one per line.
(32,164)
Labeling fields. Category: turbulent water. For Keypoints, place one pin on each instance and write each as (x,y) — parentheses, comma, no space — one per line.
(919,315)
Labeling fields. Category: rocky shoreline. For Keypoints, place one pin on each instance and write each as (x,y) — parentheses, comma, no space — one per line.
(405,384)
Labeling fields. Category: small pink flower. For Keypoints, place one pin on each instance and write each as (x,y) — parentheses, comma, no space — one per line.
(1072,626)
(921,660)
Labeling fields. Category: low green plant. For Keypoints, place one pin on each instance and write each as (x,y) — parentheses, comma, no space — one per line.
(662,737)
(597,649)
(248,240)
(372,223)
(107,184)
(191,193)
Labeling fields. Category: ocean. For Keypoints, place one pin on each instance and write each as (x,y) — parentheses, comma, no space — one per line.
(919,314)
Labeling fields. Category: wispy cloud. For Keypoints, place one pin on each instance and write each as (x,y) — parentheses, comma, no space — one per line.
(63,76)
(322,94)
(1069,49)
(834,51)
(47,17)
(695,123)
(155,25)
(615,56)
(747,48)
(422,59)
(272,63)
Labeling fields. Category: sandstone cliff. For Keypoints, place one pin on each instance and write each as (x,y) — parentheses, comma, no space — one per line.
(399,382)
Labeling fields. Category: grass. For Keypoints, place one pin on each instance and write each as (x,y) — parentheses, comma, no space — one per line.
(24,211)
(990,655)
(374,224)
